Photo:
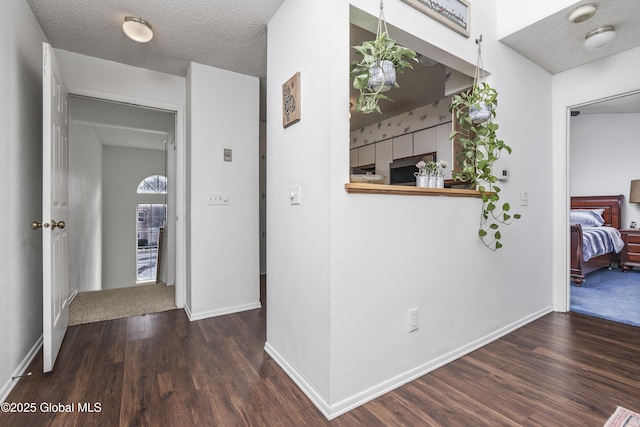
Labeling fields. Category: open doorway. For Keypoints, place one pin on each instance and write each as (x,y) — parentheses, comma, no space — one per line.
(611,289)
(115,150)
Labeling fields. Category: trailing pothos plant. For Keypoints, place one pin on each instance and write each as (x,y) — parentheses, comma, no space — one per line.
(480,148)
(373,52)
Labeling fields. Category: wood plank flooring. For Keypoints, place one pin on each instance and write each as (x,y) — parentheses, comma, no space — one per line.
(162,370)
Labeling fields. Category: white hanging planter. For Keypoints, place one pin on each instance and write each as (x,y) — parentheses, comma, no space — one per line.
(479,115)
(382,76)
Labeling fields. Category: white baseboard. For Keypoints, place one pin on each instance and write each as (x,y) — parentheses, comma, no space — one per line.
(306,388)
(187,311)
(331,411)
(73,295)
(11,383)
(220,311)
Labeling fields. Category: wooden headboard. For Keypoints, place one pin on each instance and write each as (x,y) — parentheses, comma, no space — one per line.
(612,206)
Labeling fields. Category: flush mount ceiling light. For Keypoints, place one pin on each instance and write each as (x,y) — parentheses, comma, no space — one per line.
(137,29)
(599,38)
(582,13)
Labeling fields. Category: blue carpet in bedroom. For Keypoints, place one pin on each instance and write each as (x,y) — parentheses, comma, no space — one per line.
(609,294)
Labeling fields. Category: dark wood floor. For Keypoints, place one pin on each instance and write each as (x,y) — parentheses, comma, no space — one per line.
(162,370)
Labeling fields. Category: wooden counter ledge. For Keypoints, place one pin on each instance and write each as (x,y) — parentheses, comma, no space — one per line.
(408,190)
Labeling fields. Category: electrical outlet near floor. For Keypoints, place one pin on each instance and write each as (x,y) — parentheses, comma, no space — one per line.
(414,319)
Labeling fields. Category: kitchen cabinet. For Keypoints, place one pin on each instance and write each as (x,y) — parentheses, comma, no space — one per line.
(425,141)
(384,156)
(431,140)
(403,146)
(367,155)
(353,158)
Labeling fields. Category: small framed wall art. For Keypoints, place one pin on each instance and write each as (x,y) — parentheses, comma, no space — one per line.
(452,13)
(291,100)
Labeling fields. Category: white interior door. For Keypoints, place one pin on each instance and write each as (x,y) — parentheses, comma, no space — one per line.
(55,208)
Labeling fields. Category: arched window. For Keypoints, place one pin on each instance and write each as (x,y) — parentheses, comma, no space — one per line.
(156,184)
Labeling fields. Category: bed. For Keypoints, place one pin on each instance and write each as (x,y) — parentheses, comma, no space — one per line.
(611,214)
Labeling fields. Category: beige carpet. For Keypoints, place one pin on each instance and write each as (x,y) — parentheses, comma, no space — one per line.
(89,307)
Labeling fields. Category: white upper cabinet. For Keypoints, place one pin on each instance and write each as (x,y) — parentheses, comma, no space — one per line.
(425,141)
(367,155)
(403,146)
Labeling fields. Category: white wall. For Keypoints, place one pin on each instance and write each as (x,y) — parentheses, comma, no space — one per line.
(85,207)
(372,291)
(21,193)
(122,170)
(374,256)
(298,245)
(582,85)
(86,73)
(224,251)
(604,153)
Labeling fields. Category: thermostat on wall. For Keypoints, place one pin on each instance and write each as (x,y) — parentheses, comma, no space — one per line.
(504,174)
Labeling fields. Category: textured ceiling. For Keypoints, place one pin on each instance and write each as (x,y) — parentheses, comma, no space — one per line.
(555,44)
(230,35)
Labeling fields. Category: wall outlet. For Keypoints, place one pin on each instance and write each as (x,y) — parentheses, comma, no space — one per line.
(414,319)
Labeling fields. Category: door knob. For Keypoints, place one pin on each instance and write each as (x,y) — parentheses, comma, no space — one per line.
(35,225)
(59,224)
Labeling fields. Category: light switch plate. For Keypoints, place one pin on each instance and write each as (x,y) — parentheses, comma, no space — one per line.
(218,199)
(228,154)
(294,194)
(524,198)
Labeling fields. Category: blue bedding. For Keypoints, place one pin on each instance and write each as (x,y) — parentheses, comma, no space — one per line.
(599,241)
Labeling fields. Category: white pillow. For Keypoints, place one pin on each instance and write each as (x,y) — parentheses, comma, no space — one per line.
(586,217)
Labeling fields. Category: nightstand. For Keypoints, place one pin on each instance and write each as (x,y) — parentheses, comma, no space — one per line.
(630,255)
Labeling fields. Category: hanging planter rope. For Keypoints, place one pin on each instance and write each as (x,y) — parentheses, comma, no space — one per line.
(382,74)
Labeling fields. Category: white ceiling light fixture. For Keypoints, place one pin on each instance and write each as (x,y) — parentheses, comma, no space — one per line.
(582,13)
(599,38)
(137,29)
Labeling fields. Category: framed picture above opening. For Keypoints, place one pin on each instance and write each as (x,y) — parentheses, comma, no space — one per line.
(291,101)
(452,13)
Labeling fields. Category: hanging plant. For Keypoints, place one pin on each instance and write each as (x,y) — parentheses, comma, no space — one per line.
(474,112)
(376,71)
